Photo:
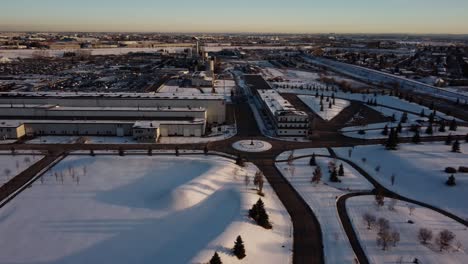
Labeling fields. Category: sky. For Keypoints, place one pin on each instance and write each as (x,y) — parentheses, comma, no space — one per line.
(269,16)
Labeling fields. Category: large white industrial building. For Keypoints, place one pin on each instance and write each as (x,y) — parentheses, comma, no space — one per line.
(146,117)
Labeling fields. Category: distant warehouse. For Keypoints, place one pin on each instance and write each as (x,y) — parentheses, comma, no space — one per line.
(146,117)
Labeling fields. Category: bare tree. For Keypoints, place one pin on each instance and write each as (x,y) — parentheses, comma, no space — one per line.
(370,220)
(411,209)
(258,181)
(391,205)
(444,239)
(317,175)
(246,181)
(384,239)
(291,158)
(424,235)
(379,199)
(395,237)
(459,245)
(383,224)
(7,172)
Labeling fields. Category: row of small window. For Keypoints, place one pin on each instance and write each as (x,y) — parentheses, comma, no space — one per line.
(282,119)
(141,131)
(292,126)
(286,132)
(63,132)
(7,129)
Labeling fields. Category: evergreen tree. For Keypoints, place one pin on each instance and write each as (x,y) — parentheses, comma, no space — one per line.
(429,130)
(422,114)
(385,131)
(150,151)
(91,152)
(399,128)
(177,151)
(404,118)
(456,146)
(312,161)
(330,105)
(466,137)
(321,108)
(451,181)
(239,248)
(258,213)
(392,141)
(216,259)
(442,126)
(431,118)
(334,176)
(448,140)
(341,170)
(205,149)
(453,125)
(416,137)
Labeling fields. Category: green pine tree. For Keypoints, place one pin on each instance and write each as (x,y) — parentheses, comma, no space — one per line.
(416,138)
(215,259)
(341,170)
(312,161)
(456,146)
(239,248)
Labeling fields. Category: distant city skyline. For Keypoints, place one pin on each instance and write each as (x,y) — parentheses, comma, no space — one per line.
(259,16)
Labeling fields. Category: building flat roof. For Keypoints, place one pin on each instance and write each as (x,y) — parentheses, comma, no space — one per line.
(112,95)
(277,105)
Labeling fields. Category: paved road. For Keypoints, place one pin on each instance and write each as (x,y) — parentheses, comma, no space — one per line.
(308,245)
(17,184)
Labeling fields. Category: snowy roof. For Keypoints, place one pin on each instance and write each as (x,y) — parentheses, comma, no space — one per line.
(52,107)
(277,104)
(156,124)
(10,123)
(113,95)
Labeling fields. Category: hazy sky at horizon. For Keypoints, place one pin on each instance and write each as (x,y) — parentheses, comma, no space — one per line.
(295,16)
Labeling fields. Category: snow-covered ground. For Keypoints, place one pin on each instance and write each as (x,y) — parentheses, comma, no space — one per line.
(53,140)
(302,152)
(419,172)
(328,113)
(322,200)
(384,100)
(376,133)
(141,209)
(13,165)
(409,246)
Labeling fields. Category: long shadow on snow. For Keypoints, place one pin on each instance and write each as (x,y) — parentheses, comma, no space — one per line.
(176,238)
(154,191)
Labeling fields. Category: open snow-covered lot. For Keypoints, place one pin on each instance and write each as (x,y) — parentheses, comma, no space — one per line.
(321,198)
(409,246)
(13,165)
(418,172)
(328,113)
(141,209)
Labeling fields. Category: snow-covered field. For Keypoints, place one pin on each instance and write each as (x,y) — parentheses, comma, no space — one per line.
(377,133)
(141,209)
(322,200)
(13,165)
(385,100)
(302,152)
(419,172)
(409,246)
(327,113)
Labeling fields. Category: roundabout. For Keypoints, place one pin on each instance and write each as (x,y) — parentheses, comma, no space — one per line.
(252,145)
